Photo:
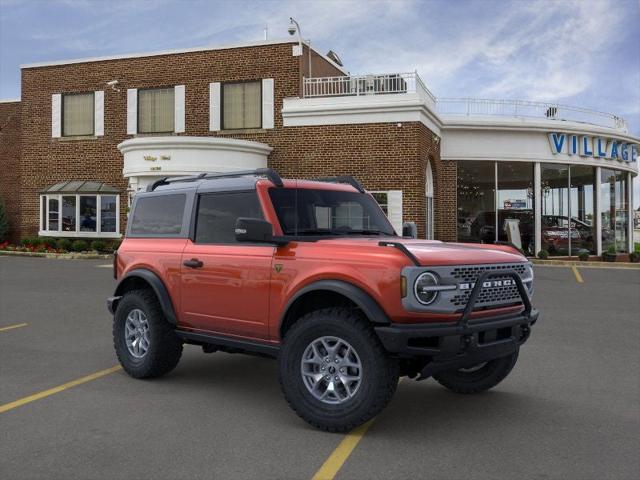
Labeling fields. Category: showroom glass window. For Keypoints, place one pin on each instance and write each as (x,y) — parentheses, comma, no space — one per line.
(156,110)
(241,105)
(78,114)
(555,208)
(516,202)
(78,215)
(582,206)
(614,209)
(476,201)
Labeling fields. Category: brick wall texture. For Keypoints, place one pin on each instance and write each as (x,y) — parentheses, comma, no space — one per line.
(10,163)
(382,156)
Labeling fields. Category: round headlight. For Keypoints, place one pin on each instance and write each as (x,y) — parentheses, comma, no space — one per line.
(422,290)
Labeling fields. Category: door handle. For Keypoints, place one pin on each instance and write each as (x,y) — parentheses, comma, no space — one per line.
(193,263)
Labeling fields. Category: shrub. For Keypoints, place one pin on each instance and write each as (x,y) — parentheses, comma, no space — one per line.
(98,245)
(4,222)
(47,242)
(114,245)
(64,244)
(29,242)
(583,255)
(543,254)
(79,246)
(634,257)
(611,249)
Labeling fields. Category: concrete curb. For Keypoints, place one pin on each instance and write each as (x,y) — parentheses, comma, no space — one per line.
(60,256)
(571,263)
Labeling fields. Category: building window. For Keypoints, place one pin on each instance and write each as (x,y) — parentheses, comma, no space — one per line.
(430,216)
(156,110)
(614,210)
(78,114)
(66,212)
(241,105)
(383,200)
(515,203)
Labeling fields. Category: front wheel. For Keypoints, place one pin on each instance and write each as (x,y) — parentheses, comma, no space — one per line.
(145,343)
(477,378)
(333,370)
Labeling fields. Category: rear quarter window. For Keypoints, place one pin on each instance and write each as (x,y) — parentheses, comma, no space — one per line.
(158,215)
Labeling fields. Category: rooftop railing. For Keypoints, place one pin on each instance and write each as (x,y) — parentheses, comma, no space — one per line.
(402,83)
(357,85)
(528,109)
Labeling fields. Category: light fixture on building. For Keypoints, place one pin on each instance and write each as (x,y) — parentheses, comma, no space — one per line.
(294,27)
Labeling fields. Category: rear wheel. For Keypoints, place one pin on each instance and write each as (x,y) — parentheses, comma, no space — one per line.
(333,370)
(477,378)
(145,343)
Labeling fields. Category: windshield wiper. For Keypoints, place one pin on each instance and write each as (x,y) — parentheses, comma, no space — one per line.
(364,232)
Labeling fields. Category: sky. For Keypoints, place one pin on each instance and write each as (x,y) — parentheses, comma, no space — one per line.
(583,53)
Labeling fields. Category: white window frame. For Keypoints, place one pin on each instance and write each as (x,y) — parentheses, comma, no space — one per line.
(44,216)
(397,222)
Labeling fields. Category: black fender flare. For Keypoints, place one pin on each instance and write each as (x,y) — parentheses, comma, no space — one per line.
(362,299)
(156,285)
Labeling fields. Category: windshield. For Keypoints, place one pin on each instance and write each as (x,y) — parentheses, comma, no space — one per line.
(328,212)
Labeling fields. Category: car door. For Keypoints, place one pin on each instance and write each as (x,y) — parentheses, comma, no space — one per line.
(225,284)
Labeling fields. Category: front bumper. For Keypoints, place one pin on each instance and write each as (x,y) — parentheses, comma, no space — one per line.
(450,346)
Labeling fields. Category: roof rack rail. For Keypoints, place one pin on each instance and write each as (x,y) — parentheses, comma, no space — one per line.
(260,172)
(343,179)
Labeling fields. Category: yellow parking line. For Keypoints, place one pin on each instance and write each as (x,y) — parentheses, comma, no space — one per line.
(37,396)
(577,274)
(333,464)
(11,327)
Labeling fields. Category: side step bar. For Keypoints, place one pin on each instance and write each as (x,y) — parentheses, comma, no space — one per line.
(245,346)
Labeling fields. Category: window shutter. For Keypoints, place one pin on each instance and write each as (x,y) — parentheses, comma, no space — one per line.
(56,115)
(214,106)
(267,103)
(132,111)
(394,209)
(98,111)
(179,124)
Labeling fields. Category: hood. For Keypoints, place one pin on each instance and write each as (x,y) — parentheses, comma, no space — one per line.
(442,253)
(433,252)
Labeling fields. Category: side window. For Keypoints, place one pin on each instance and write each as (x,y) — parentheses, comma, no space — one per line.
(218,212)
(158,215)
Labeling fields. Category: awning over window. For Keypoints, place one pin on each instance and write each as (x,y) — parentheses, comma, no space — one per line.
(81,186)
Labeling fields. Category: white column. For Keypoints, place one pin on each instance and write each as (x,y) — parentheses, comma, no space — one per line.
(537,207)
(630,211)
(598,213)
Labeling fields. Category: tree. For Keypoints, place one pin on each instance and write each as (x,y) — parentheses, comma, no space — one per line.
(4,222)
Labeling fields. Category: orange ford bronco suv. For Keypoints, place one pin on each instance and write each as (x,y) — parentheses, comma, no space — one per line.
(312,273)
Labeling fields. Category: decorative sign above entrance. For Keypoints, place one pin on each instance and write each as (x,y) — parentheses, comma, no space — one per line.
(588,146)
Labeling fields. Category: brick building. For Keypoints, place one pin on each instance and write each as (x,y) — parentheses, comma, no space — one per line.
(87,134)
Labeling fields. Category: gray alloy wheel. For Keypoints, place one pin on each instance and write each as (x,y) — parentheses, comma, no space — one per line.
(136,333)
(331,370)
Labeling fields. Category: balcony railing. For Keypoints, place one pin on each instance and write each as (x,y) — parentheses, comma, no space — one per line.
(527,109)
(357,85)
(402,83)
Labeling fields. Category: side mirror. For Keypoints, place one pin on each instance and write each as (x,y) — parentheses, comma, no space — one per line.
(253,230)
(410,230)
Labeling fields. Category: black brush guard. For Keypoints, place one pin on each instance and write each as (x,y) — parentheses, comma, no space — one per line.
(450,346)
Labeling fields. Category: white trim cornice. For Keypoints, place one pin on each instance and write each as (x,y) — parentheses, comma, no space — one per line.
(194,143)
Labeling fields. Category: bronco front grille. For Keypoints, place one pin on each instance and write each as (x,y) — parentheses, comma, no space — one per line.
(492,295)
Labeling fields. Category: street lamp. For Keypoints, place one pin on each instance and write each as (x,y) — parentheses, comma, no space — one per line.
(294,27)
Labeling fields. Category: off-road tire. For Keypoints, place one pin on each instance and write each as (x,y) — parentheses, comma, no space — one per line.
(165,347)
(379,373)
(490,375)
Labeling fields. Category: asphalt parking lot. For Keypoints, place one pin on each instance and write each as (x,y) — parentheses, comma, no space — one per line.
(570,408)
